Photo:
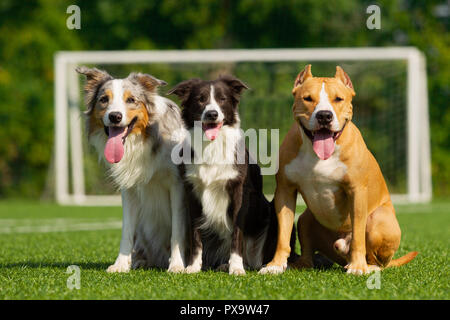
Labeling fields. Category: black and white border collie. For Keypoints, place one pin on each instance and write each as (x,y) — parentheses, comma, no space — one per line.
(134,130)
(233,224)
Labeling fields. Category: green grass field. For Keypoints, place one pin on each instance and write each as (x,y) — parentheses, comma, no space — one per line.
(39,242)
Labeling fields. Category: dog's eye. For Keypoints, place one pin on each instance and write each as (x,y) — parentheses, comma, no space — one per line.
(308,98)
(222,99)
(338,99)
(131,100)
(104,99)
(202,99)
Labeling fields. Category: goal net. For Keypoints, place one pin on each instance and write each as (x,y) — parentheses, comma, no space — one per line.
(390,107)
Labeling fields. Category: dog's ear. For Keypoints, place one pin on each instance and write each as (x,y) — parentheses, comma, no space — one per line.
(302,77)
(147,81)
(183,89)
(341,75)
(95,78)
(236,85)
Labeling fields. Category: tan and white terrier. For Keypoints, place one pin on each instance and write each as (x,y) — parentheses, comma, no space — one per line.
(349,217)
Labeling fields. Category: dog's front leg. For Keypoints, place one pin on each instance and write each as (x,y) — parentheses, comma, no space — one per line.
(285,202)
(194,213)
(236,262)
(178,237)
(197,252)
(123,261)
(358,214)
(237,211)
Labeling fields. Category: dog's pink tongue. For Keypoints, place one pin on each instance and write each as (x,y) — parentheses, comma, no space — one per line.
(212,133)
(323,144)
(114,145)
(212,130)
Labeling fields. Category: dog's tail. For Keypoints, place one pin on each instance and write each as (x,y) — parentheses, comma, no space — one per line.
(402,260)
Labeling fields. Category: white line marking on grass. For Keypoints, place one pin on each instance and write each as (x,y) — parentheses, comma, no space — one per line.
(51,221)
(9,226)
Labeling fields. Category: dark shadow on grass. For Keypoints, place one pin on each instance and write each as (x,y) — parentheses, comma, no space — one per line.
(63,265)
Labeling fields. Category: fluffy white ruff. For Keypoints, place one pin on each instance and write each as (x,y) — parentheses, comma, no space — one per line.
(213,167)
(138,164)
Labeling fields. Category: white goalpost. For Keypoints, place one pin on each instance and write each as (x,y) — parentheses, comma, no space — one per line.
(68,150)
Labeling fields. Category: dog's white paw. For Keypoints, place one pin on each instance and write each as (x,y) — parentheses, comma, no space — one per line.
(176,268)
(122,264)
(360,268)
(236,264)
(357,272)
(193,268)
(236,271)
(273,269)
(360,272)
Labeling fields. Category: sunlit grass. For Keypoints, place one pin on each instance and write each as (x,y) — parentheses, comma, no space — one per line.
(33,265)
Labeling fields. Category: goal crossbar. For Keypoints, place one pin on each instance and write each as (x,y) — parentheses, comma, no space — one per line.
(68,116)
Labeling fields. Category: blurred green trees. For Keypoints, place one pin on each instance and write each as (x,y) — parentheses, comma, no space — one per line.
(32,31)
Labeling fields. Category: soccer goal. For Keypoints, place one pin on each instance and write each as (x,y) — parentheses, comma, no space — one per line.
(390,107)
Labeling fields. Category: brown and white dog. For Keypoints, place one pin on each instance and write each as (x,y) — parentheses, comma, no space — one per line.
(349,217)
(132,128)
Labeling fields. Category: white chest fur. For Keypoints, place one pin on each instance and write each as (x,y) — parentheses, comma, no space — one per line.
(319,181)
(209,177)
(134,169)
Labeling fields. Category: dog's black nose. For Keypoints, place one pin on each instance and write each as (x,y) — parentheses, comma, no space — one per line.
(115,117)
(211,115)
(324,117)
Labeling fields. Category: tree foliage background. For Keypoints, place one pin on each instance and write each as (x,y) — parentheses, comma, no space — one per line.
(32,31)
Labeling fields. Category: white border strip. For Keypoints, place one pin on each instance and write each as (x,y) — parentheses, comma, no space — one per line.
(57,226)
